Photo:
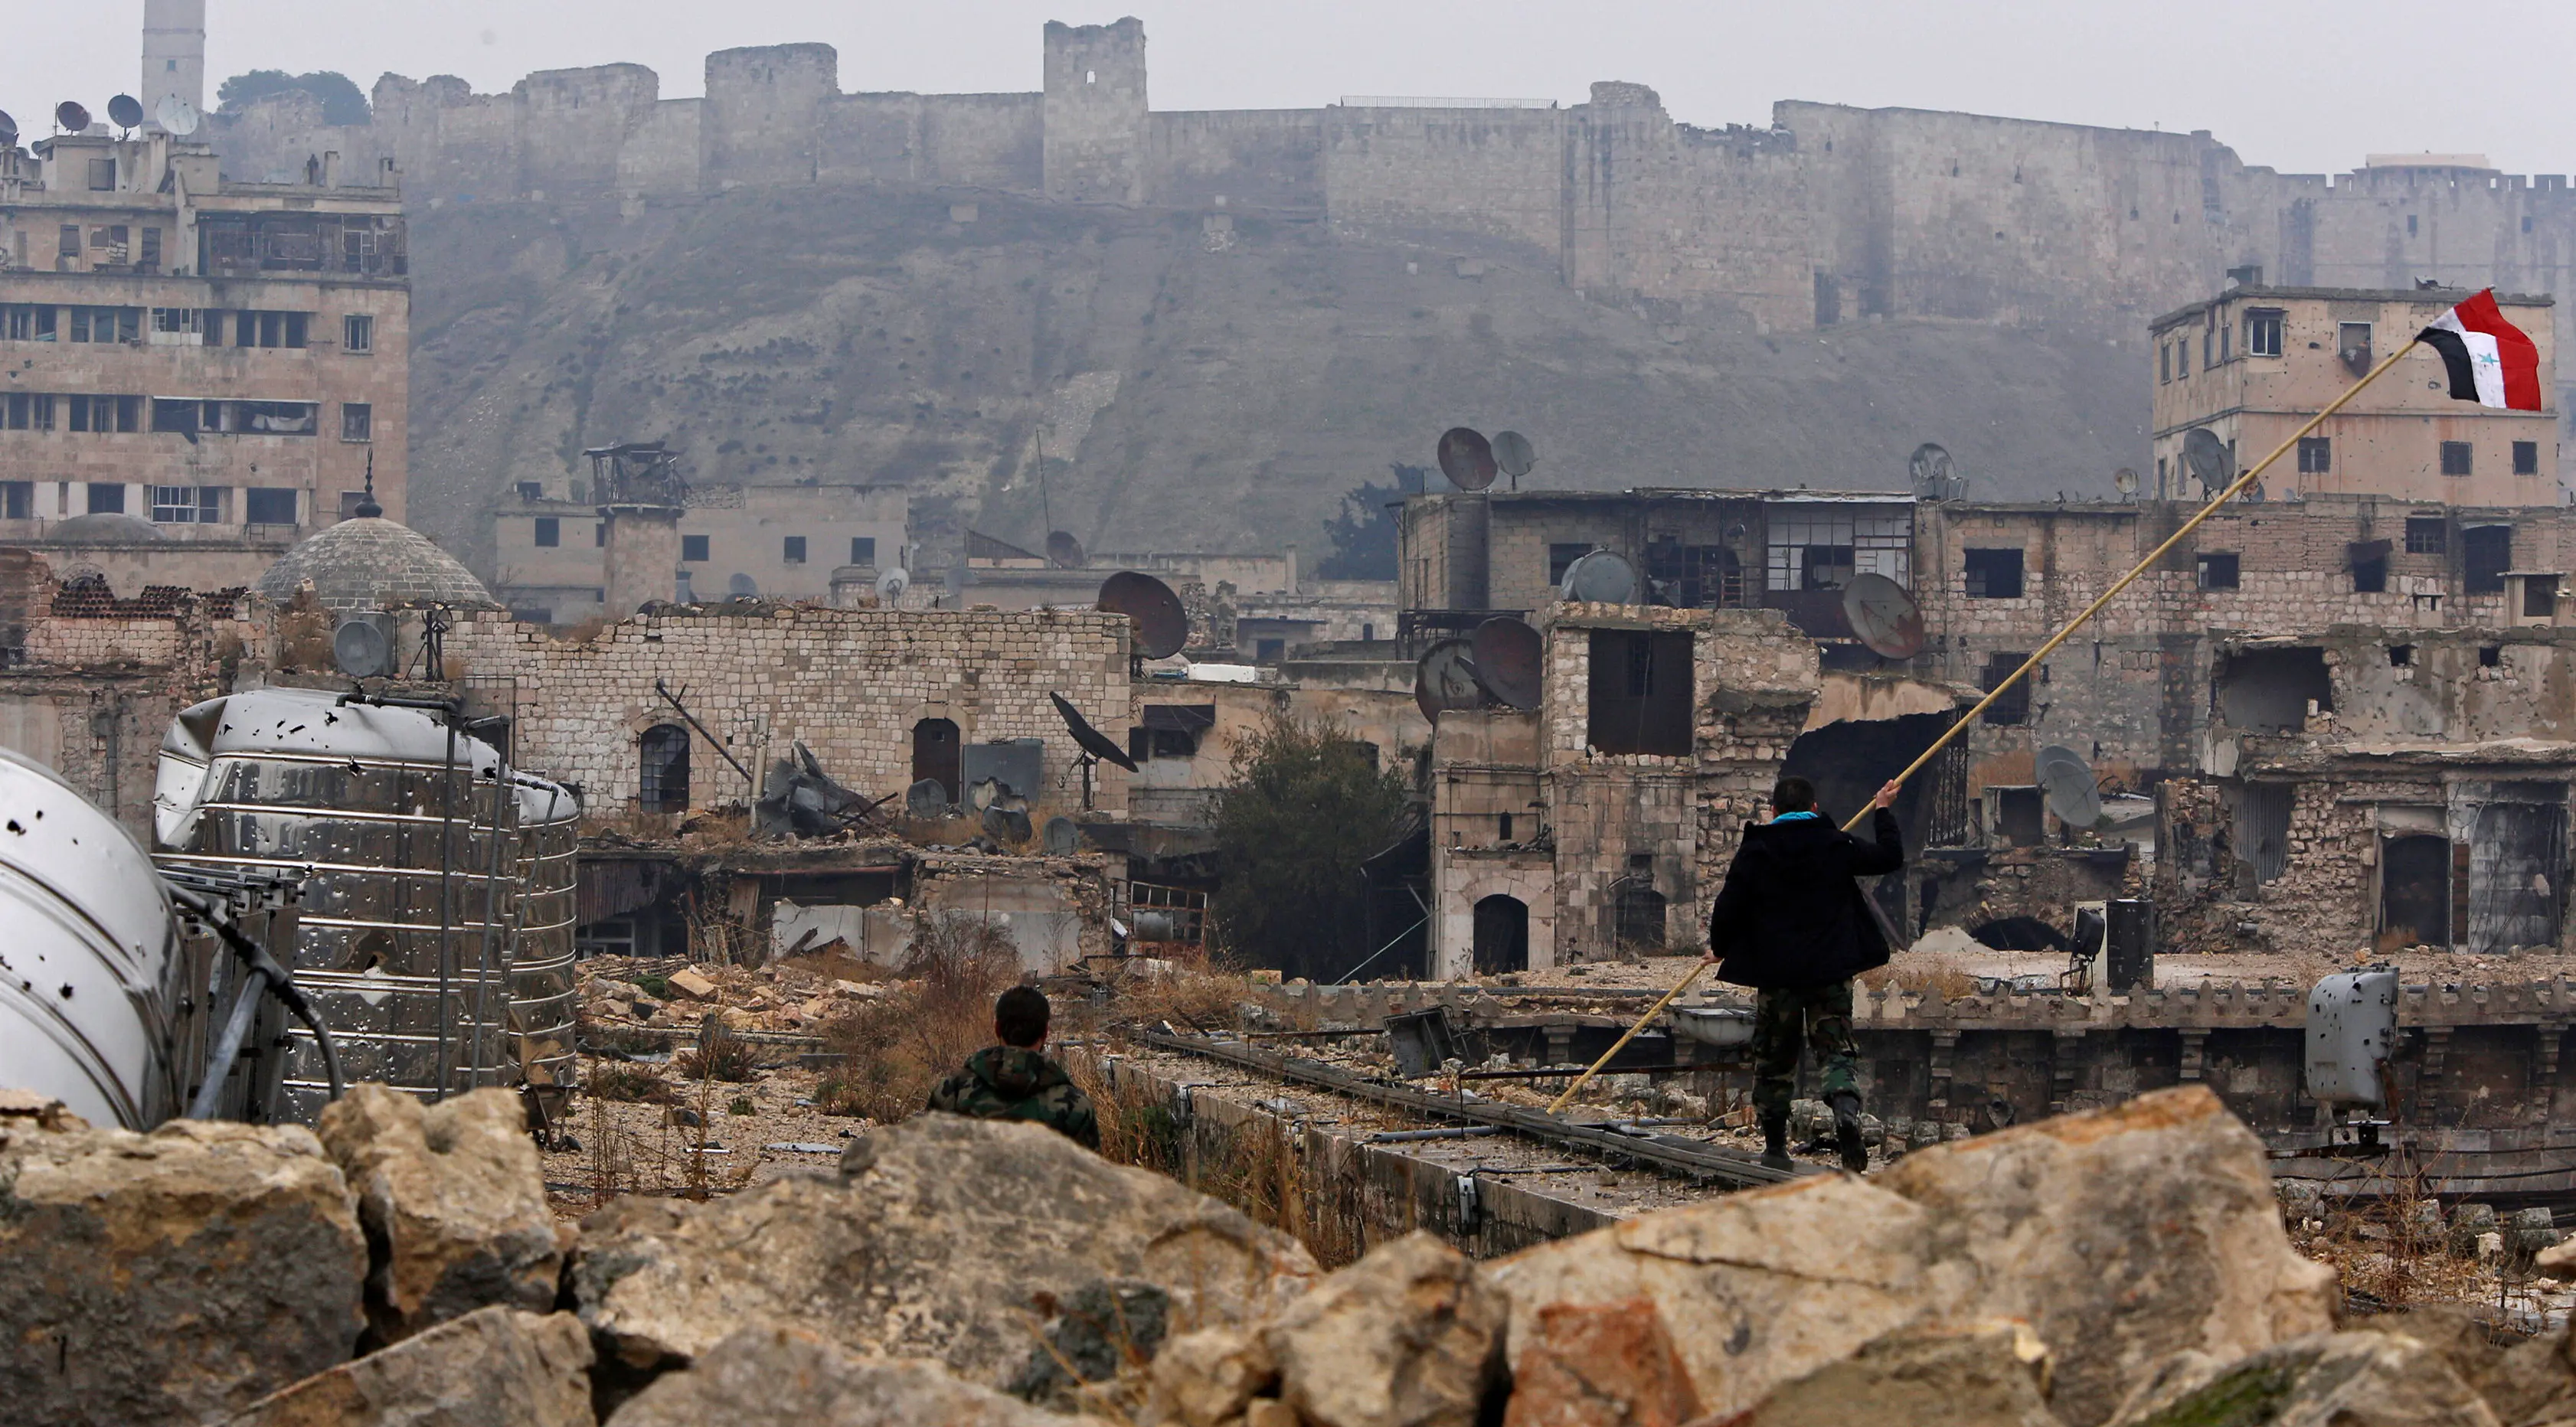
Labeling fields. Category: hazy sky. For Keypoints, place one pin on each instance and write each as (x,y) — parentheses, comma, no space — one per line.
(2304,87)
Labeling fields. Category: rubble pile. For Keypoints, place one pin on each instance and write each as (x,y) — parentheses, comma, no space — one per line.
(2120,1268)
(799,995)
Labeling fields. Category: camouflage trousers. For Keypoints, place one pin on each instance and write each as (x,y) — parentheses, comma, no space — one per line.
(1785,1023)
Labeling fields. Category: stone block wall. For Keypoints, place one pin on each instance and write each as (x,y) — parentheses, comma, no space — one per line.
(1095,112)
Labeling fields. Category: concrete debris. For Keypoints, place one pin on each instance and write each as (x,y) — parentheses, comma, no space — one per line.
(494,1367)
(453,1200)
(2321,1380)
(172,1277)
(778,1376)
(689,983)
(2531,1381)
(1988,1374)
(1601,1365)
(1410,1336)
(941,1238)
(1209,1377)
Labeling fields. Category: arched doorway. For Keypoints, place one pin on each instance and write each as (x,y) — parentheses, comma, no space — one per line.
(1637,910)
(935,745)
(662,785)
(1502,935)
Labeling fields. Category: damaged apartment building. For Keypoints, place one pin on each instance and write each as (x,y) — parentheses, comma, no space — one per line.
(2342,697)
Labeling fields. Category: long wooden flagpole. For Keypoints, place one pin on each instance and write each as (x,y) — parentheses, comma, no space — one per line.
(2234,489)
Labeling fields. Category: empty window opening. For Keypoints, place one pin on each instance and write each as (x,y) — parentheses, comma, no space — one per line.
(268,505)
(935,755)
(26,411)
(1638,913)
(106,498)
(662,785)
(2517,868)
(2316,455)
(357,421)
(17,500)
(1503,827)
(2526,458)
(2486,552)
(2018,815)
(2401,656)
(1993,574)
(1501,935)
(693,547)
(2218,570)
(863,550)
(794,551)
(2414,891)
(2539,596)
(1695,576)
(1640,692)
(2012,707)
(1266,651)
(2427,535)
(2352,344)
(2457,458)
(549,532)
(1170,730)
(2369,559)
(2271,690)
(2263,825)
(2490,656)
(2263,332)
(599,533)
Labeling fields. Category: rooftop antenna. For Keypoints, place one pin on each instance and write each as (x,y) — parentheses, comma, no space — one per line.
(1157,623)
(1512,452)
(2068,784)
(126,112)
(1466,458)
(177,116)
(71,117)
(2125,481)
(1097,747)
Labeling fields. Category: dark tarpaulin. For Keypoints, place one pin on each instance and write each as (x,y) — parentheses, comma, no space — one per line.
(609,887)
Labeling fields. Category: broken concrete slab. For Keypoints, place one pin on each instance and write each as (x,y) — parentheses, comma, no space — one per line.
(691,984)
(2322,1380)
(2122,1236)
(171,1277)
(494,1367)
(1601,1365)
(1988,1374)
(1409,1336)
(785,1377)
(453,1200)
(943,1238)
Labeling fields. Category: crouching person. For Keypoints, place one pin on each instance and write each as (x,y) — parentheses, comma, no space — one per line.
(1015,1080)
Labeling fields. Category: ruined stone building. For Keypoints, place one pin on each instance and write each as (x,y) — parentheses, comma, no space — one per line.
(826,542)
(200,369)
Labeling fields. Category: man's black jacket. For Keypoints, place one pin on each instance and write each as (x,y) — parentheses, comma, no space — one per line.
(1790,917)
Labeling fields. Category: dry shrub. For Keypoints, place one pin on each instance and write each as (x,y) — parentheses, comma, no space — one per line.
(621,1080)
(1194,996)
(896,1050)
(1951,982)
(720,1057)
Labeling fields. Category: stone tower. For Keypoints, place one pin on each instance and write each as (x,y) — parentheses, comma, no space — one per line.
(1094,145)
(174,55)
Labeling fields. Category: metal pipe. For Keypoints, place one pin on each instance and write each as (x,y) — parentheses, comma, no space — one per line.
(1381,951)
(219,1063)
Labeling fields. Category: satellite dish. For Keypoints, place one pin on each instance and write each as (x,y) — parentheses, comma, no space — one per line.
(8,131)
(1602,578)
(1512,452)
(1933,476)
(71,117)
(1884,616)
(1161,627)
(1093,741)
(1063,837)
(125,111)
(927,799)
(892,584)
(361,650)
(176,115)
(1063,551)
(1444,678)
(2067,782)
(1466,458)
(2207,456)
(2125,481)
(1508,661)
(981,793)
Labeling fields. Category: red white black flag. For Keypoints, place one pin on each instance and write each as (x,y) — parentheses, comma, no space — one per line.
(2492,363)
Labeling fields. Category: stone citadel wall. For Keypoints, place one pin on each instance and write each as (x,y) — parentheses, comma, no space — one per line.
(1829,214)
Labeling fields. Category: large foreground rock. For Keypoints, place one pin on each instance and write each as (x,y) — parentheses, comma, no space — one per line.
(172,1277)
(2327,1380)
(494,1368)
(1410,1336)
(453,1200)
(1991,1374)
(784,1377)
(944,1238)
(2121,1236)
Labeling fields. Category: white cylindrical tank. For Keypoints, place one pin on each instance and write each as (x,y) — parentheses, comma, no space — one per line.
(88,956)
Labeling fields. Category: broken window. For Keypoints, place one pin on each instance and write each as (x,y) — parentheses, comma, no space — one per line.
(2352,344)
(693,547)
(2012,707)
(549,532)
(2526,458)
(2414,891)
(107,324)
(2518,868)
(2263,332)
(2486,552)
(794,554)
(663,782)
(106,498)
(357,334)
(1640,692)
(1696,576)
(271,418)
(1993,574)
(1820,546)
(149,260)
(174,416)
(2218,570)
(268,505)
(2271,690)
(2427,535)
(1171,730)
(1637,910)
(185,505)
(2539,596)
(2263,828)
(1562,555)
(2369,559)
(17,500)
(102,175)
(357,421)
(2316,455)
(2018,816)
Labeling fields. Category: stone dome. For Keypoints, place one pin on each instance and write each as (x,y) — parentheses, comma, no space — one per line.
(370,562)
(103,528)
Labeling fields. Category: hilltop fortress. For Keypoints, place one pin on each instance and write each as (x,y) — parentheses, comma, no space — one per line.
(1829,215)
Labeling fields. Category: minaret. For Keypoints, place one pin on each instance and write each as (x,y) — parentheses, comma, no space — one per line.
(174,55)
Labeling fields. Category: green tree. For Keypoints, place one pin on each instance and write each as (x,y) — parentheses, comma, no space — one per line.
(1307,806)
(1363,530)
(342,101)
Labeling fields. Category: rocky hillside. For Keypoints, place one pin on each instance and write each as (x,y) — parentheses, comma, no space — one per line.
(1190,389)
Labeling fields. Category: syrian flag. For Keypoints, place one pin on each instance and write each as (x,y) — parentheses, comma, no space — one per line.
(2492,363)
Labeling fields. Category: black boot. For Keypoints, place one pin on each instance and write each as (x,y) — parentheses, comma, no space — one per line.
(1847,1132)
(1775,1141)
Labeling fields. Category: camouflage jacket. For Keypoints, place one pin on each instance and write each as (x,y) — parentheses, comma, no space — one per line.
(1004,1082)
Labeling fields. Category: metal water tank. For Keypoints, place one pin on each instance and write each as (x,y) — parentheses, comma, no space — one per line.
(93,997)
(541,969)
(2352,1026)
